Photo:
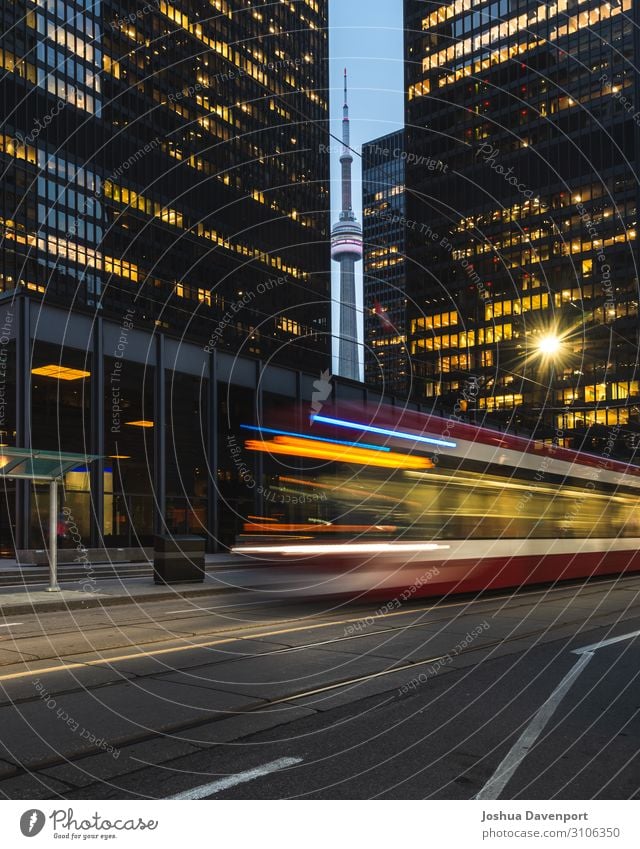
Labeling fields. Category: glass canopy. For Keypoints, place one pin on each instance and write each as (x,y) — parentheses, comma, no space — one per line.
(31,464)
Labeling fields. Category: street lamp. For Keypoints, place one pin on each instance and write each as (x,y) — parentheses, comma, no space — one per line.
(549,346)
(549,350)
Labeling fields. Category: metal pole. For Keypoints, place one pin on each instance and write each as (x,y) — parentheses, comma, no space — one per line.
(213,484)
(23,417)
(160,439)
(96,475)
(53,537)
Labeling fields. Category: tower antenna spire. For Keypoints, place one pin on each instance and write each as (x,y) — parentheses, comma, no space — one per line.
(346,249)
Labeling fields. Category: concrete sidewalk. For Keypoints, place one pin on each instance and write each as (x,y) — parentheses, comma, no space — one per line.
(212,561)
(73,596)
(28,593)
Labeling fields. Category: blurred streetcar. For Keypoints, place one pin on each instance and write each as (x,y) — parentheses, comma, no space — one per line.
(375,500)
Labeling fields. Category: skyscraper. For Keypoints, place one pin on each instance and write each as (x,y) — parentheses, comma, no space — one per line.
(171,155)
(164,214)
(346,249)
(523,271)
(383,201)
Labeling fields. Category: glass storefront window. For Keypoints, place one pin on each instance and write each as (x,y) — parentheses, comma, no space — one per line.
(236,473)
(186,453)
(60,421)
(7,430)
(129,449)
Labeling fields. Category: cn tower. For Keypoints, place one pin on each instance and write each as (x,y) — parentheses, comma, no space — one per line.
(346,248)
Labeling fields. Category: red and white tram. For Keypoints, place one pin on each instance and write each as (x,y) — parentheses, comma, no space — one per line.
(378,500)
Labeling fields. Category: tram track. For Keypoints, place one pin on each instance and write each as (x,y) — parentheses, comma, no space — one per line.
(214,717)
(507,604)
(322,644)
(516,601)
(124,742)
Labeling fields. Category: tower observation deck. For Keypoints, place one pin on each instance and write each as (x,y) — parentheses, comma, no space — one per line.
(346,248)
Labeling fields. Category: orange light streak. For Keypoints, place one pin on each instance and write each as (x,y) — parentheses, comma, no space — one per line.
(319,529)
(295,447)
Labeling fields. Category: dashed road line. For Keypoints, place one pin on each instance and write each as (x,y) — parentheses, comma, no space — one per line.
(233,780)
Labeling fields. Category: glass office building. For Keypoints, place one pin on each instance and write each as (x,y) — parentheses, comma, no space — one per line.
(523,278)
(165,174)
(171,156)
(383,203)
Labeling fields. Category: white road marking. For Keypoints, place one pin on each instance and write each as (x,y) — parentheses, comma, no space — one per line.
(203,609)
(11,624)
(234,780)
(496,784)
(610,642)
(498,781)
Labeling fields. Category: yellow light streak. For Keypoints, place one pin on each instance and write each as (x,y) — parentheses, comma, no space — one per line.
(293,446)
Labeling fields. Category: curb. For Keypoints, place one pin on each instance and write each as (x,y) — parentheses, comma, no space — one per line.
(35,572)
(107,601)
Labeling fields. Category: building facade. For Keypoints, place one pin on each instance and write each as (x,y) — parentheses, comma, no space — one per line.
(170,158)
(523,278)
(385,308)
(164,192)
(167,417)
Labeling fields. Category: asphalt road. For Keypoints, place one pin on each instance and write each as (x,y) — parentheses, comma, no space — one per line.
(243,696)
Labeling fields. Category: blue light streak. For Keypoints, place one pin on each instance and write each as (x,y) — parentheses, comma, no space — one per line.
(382,431)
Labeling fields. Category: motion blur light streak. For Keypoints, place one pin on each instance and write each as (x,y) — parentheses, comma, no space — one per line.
(327,451)
(489,483)
(326,528)
(383,431)
(335,487)
(346,548)
(484,519)
(315,438)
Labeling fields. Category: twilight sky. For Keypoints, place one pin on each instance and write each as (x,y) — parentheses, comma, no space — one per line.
(366,37)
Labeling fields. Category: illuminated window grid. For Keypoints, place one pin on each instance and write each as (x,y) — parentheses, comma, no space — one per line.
(214,127)
(388,342)
(200,164)
(582,418)
(204,296)
(429,322)
(256,253)
(12,147)
(174,218)
(288,325)
(71,251)
(542,252)
(472,68)
(7,284)
(456,341)
(60,85)
(464,339)
(232,55)
(516,306)
(389,262)
(459,362)
(71,41)
(499,402)
(20,67)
